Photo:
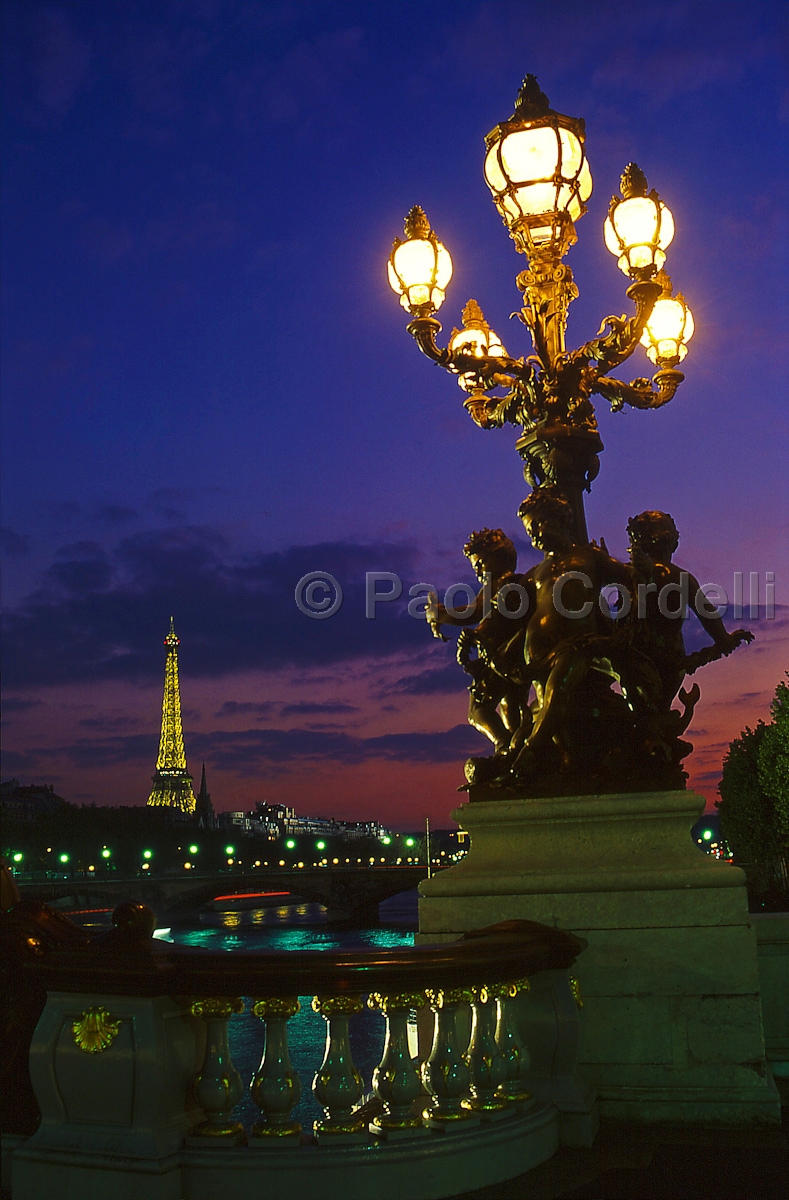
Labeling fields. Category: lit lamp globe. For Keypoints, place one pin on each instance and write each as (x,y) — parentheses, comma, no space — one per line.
(537,171)
(475,340)
(669,328)
(420,267)
(639,227)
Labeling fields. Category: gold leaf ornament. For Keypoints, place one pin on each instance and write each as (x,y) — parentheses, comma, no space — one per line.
(217,1006)
(339,1006)
(95,1030)
(272,1006)
(443,997)
(397,1001)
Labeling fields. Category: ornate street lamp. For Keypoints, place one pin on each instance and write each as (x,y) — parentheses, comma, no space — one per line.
(539,176)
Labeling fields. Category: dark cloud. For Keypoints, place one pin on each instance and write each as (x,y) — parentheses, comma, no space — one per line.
(446,678)
(708,776)
(15,762)
(760,625)
(116,514)
(108,724)
(90,752)
(167,503)
(15,704)
(253,748)
(307,709)
(13,545)
(102,614)
(248,750)
(237,708)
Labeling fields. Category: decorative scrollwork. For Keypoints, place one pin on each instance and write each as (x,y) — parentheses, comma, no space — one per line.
(213,1006)
(95,1030)
(640,393)
(272,1006)
(501,991)
(341,1006)
(397,1001)
(442,997)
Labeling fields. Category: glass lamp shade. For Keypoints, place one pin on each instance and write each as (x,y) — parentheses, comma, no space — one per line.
(669,329)
(420,267)
(639,227)
(537,171)
(475,340)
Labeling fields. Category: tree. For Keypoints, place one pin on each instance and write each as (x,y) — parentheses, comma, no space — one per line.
(754,791)
(774,765)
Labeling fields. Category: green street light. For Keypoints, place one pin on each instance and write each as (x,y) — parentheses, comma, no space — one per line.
(18,857)
(106,853)
(193,849)
(707,834)
(64,858)
(230,849)
(291,845)
(409,841)
(147,853)
(386,841)
(320,845)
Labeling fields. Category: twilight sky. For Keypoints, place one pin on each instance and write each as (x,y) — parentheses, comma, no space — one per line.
(208,390)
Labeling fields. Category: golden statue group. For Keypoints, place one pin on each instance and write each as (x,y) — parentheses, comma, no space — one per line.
(602,677)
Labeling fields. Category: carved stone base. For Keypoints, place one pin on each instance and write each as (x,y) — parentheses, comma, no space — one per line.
(671,1023)
(113,1120)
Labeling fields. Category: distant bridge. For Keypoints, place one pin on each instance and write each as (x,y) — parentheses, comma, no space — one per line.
(347,893)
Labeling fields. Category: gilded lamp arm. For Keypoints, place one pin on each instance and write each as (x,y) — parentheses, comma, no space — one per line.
(424,331)
(641,393)
(486,372)
(610,349)
(491,412)
(498,370)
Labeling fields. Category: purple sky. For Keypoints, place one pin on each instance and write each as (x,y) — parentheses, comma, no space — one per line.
(208,390)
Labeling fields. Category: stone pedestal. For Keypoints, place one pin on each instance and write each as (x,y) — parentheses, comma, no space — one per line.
(112,1120)
(671,1023)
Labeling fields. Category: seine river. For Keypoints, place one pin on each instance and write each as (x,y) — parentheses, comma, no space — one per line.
(299,927)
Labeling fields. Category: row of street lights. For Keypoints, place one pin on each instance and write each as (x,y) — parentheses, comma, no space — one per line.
(66,859)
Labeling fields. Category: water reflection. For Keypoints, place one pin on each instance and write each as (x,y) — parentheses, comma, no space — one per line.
(301,927)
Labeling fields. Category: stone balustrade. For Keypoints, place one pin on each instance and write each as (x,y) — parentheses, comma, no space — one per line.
(131,1068)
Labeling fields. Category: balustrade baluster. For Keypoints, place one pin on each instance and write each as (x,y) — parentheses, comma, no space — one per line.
(445,1075)
(509,1041)
(275,1086)
(396,1079)
(337,1085)
(484,1059)
(218,1087)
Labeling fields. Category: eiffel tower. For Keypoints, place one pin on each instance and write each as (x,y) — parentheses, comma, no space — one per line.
(172,783)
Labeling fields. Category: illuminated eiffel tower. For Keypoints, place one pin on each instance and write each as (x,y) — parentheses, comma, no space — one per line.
(172,783)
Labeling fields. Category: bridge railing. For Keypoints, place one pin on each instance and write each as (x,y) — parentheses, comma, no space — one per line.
(131,1067)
